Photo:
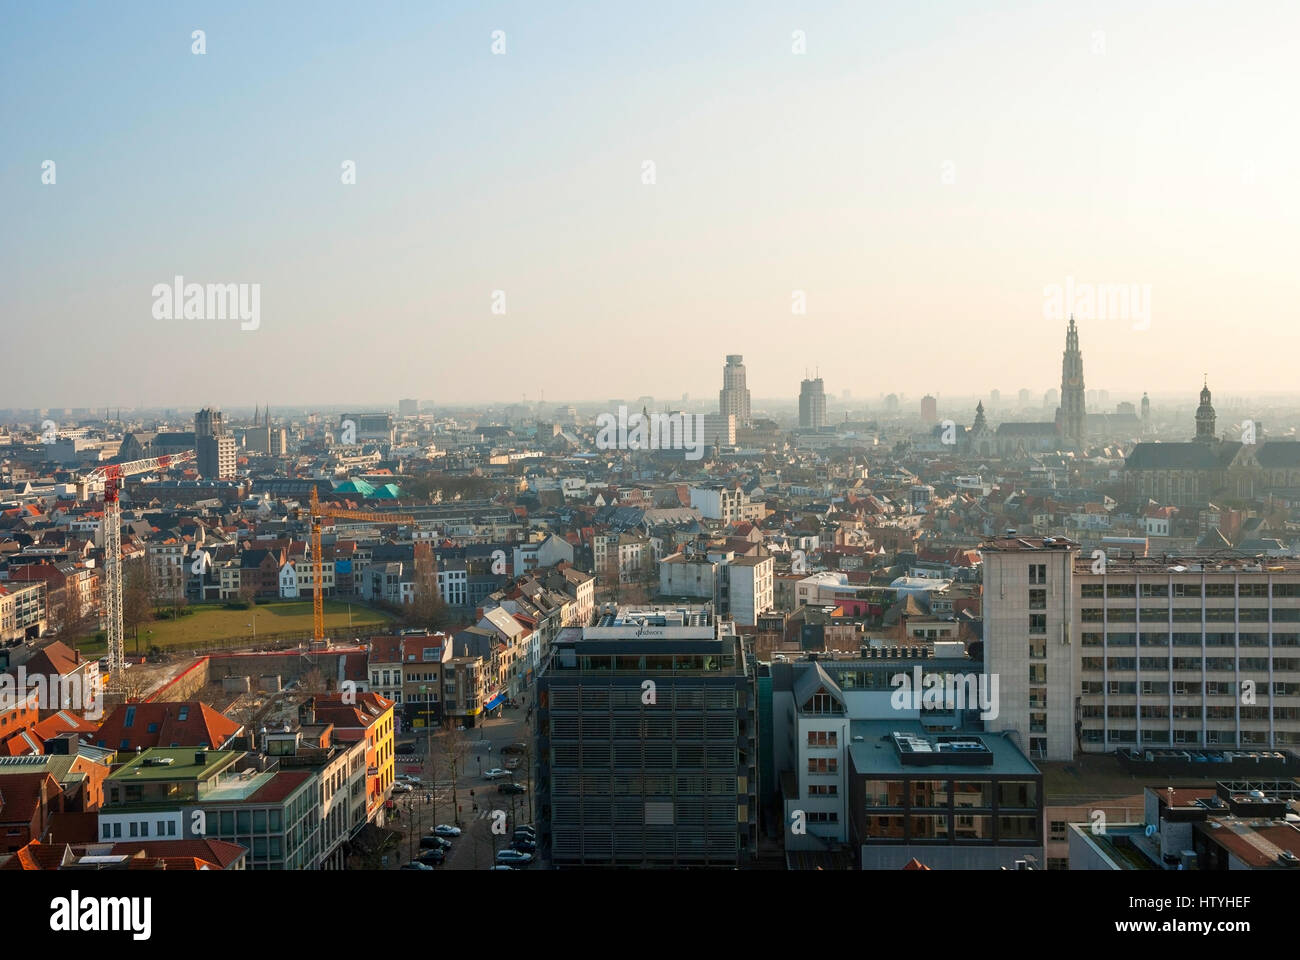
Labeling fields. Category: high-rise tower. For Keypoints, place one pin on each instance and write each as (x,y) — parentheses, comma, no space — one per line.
(1073,417)
(733,398)
(812,404)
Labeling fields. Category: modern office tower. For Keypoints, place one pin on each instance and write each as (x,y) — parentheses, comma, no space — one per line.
(362,427)
(812,404)
(646,743)
(719,429)
(1073,416)
(929,409)
(1023,397)
(215,449)
(408,407)
(1096,653)
(995,399)
(733,398)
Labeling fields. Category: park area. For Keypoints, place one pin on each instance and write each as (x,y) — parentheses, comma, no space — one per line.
(216,625)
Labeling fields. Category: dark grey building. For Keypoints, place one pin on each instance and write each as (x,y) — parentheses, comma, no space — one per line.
(647,743)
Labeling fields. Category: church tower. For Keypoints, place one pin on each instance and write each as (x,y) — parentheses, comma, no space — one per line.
(1205,416)
(1146,414)
(1073,422)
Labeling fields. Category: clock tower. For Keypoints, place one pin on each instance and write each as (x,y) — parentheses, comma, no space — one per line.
(1073,422)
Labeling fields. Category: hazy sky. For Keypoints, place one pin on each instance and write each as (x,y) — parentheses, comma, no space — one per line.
(922,173)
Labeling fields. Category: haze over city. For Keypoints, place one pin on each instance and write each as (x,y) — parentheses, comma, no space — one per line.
(917,176)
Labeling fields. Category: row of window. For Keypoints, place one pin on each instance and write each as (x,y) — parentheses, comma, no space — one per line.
(1184,615)
(1095,591)
(1208,639)
(1184,688)
(1163,664)
(139,828)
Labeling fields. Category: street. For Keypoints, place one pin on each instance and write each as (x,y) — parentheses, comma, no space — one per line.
(487,818)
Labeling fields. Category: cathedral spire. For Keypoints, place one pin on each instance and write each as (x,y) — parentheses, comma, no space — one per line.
(1073,416)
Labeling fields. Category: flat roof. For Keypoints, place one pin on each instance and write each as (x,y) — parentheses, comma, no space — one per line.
(174,763)
(875,755)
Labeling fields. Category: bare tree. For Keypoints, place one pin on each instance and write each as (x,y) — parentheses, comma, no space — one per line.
(455,749)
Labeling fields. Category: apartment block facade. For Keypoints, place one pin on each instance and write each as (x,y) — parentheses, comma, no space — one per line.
(1100,653)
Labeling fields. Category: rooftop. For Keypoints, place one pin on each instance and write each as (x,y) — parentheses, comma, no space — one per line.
(184,763)
(892,747)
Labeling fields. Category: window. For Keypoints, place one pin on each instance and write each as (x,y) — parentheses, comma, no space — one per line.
(1038,623)
(1058,829)
(1038,573)
(1037,599)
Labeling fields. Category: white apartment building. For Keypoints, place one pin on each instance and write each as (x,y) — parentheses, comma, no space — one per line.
(749,588)
(1096,654)
(725,502)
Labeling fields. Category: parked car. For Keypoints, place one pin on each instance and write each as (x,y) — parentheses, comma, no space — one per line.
(501,866)
(511,788)
(512,762)
(432,856)
(518,747)
(526,832)
(513,858)
(496,773)
(406,748)
(416,865)
(525,846)
(433,843)
(408,778)
(446,830)
(400,787)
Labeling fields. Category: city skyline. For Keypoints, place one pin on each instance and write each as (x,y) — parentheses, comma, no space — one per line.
(888,178)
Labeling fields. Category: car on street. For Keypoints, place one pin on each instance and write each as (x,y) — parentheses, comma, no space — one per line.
(511,788)
(416,865)
(501,866)
(400,787)
(446,830)
(525,833)
(525,846)
(512,762)
(496,773)
(513,858)
(515,748)
(408,778)
(428,857)
(434,843)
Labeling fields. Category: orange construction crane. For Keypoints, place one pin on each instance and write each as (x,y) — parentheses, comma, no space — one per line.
(317,512)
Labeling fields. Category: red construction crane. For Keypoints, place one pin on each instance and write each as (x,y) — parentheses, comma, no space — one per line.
(111,476)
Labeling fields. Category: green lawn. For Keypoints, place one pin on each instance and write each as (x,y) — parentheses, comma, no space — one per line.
(210,623)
